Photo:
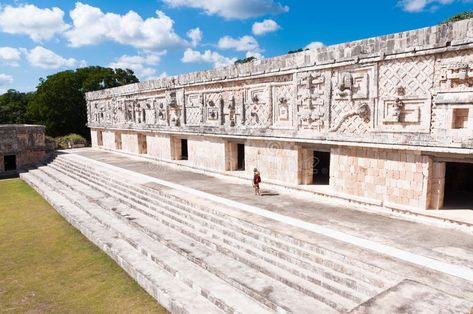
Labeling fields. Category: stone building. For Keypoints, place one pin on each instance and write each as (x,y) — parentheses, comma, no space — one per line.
(21,146)
(385,120)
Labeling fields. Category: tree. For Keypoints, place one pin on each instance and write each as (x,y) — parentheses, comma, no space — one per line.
(458,17)
(13,106)
(296,51)
(59,102)
(246,60)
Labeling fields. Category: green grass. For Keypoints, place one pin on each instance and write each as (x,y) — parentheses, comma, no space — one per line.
(47,266)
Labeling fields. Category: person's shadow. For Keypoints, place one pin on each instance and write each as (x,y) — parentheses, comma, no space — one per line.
(269,193)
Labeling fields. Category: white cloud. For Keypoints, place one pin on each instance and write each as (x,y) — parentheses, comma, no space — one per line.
(315,45)
(38,24)
(193,56)
(5,79)
(267,26)
(10,56)
(255,54)
(233,9)
(140,64)
(44,58)
(245,43)
(195,36)
(421,5)
(92,26)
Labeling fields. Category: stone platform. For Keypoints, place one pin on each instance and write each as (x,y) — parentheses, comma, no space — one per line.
(201,244)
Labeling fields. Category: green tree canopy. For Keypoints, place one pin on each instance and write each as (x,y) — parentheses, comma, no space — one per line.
(458,17)
(13,106)
(59,102)
(245,60)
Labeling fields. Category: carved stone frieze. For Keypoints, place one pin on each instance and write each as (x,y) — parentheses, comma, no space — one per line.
(258,109)
(313,92)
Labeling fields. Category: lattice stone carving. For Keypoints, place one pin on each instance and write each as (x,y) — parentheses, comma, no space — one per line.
(282,104)
(353,92)
(258,109)
(414,75)
(194,109)
(313,92)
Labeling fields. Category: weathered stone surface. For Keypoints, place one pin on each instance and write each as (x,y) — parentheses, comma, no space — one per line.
(26,143)
(397,105)
(412,297)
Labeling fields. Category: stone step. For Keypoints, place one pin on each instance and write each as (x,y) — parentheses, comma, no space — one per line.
(309,253)
(173,295)
(208,229)
(210,286)
(329,297)
(287,298)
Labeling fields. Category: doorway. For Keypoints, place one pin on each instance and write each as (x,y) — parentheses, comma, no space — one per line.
(9,162)
(321,168)
(118,140)
(142,144)
(241,157)
(184,150)
(458,186)
(99,138)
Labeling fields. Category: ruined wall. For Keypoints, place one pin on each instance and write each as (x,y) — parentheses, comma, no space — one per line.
(411,88)
(26,142)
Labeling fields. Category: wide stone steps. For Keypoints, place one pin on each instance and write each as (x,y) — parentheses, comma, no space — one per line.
(325,263)
(278,296)
(174,295)
(310,289)
(207,229)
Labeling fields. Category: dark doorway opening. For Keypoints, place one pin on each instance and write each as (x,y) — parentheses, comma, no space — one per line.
(458,186)
(321,168)
(184,150)
(241,157)
(9,162)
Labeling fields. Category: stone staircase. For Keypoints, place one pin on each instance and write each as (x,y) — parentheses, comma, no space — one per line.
(199,259)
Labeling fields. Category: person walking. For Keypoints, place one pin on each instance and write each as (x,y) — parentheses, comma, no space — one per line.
(256,181)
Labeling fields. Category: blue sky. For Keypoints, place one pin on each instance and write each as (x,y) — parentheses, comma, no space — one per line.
(167,37)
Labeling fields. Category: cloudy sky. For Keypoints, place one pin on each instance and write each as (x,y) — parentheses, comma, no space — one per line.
(167,37)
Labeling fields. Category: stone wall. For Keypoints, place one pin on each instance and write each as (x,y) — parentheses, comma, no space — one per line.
(207,153)
(385,108)
(159,146)
(276,161)
(26,142)
(397,89)
(392,176)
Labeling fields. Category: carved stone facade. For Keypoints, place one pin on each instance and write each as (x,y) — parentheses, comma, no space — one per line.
(22,146)
(411,93)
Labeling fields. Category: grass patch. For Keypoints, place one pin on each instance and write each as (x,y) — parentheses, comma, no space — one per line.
(47,266)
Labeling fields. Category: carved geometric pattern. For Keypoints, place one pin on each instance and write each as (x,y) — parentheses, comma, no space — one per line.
(193,110)
(354,125)
(258,109)
(213,107)
(415,75)
(282,103)
(313,90)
